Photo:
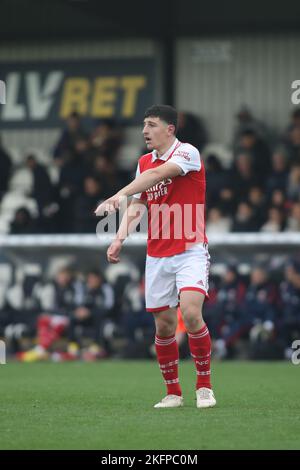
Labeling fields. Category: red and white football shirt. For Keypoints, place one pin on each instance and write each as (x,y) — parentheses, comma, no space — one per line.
(176,205)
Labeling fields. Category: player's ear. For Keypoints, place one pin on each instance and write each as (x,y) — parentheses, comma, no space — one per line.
(171,129)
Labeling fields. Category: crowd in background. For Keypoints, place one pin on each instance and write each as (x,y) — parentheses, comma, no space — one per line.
(87,173)
(75,315)
(259,190)
(83,315)
(263,308)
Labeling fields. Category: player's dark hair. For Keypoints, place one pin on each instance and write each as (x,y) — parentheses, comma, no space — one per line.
(164,112)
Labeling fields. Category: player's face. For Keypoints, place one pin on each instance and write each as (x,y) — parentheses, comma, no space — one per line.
(156,132)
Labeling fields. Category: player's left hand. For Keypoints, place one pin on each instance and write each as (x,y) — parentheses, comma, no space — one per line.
(110,205)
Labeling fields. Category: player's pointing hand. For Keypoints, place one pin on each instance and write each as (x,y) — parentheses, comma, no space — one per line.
(109,206)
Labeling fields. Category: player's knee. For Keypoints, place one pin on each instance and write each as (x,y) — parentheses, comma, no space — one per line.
(192,317)
(165,327)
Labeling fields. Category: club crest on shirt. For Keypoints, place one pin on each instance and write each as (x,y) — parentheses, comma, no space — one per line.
(185,155)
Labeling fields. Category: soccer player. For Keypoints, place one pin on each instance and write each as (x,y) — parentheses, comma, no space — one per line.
(170,182)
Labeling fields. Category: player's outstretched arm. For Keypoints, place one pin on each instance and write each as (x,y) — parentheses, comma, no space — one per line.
(130,220)
(140,184)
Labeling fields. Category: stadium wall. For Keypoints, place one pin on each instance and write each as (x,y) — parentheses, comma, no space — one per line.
(216,75)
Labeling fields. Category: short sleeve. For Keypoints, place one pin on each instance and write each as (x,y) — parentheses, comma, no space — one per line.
(187,157)
(139,195)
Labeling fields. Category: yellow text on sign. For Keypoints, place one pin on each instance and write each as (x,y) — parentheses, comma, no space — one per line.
(99,98)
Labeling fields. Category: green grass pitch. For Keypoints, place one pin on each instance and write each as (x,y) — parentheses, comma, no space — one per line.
(109,405)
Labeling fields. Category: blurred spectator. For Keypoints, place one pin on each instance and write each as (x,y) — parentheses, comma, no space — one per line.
(250,142)
(289,323)
(295,120)
(21,309)
(138,325)
(228,201)
(85,220)
(293,144)
(191,129)
(106,138)
(278,177)
(261,309)
(217,178)
(246,121)
(275,221)
(244,175)
(65,146)
(83,152)
(261,296)
(5,170)
(278,199)
(244,220)
(293,221)
(43,193)
(293,186)
(230,323)
(63,292)
(60,299)
(216,222)
(70,186)
(107,174)
(88,319)
(258,203)
(23,223)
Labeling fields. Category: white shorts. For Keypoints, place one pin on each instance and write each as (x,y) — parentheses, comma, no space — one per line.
(166,277)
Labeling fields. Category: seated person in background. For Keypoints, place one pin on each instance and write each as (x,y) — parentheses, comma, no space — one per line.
(107,138)
(60,299)
(217,179)
(278,176)
(261,304)
(293,186)
(289,323)
(138,326)
(228,322)
(216,222)
(21,307)
(23,223)
(257,200)
(84,218)
(293,221)
(65,146)
(192,129)
(245,220)
(89,317)
(275,222)
(44,194)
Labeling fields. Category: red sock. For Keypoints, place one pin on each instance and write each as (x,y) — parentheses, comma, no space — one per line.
(200,347)
(168,358)
(49,330)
